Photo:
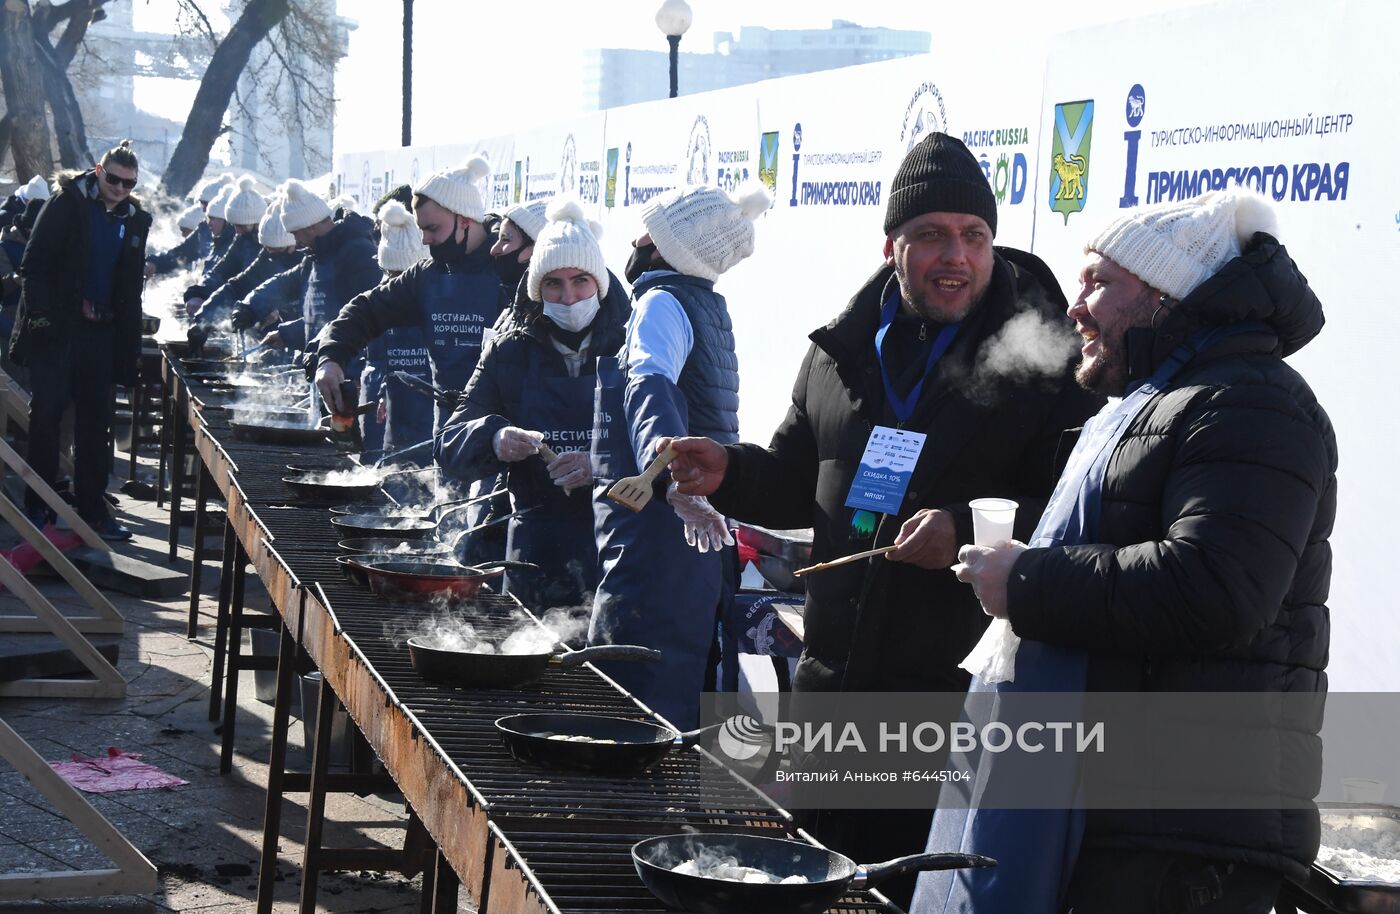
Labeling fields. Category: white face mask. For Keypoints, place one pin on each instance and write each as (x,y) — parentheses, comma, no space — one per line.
(575,317)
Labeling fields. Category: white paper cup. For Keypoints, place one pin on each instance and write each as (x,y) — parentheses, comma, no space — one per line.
(992,520)
(1363,790)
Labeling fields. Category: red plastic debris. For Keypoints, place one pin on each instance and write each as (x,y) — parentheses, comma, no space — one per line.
(118,771)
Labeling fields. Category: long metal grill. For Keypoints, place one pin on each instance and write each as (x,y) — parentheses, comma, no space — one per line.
(569,833)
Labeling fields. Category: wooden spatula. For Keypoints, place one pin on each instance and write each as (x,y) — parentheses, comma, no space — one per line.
(635,492)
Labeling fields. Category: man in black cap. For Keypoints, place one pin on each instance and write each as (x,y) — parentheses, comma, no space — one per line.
(953,339)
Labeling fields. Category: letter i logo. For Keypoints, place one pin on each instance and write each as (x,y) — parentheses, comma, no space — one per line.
(796,148)
(1134,110)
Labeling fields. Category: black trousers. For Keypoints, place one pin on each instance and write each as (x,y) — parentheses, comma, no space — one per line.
(76,368)
(1147,882)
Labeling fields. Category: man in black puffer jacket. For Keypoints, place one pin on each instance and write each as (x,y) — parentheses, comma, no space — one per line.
(1208,564)
(993,406)
(78,327)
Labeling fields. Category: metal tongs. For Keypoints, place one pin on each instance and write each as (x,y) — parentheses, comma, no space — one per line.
(445,397)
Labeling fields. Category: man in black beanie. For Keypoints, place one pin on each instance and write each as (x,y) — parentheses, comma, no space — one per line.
(953,338)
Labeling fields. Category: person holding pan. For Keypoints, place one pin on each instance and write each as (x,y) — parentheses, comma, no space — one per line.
(532,396)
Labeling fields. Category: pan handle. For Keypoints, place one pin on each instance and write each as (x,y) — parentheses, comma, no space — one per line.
(691,737)
(629,652)
(871,875)
(507,564)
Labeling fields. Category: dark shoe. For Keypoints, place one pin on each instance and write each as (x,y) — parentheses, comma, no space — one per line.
(112,531)
(39,517)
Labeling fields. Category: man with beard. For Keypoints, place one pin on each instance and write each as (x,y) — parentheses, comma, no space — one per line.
(1185,549)
(909,354)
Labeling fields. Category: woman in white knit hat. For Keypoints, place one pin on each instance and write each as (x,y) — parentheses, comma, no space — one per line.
(664,574)
(528,410)
(405,416)
(276,254)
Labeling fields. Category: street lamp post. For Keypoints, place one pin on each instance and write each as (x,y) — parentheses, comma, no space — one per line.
(674,19)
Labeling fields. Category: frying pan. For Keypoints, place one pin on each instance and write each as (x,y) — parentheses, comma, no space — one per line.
(829,875)
(305,486)
(424,577)
(405,528)
(352,567)
(635,744)
(390,546)
(506,671)
(277,434)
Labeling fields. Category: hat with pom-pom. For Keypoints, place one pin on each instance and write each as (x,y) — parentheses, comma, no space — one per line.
(569,240)
(246,206)
(218,207)
(459,190)
(1174,247)
(271,232)
(703,231)
(36,189)
(529,218)
(400,238)
(190,219)
(302,206)
(208,190)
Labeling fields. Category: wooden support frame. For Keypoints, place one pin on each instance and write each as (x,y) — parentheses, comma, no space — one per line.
(133,873)
(107,620)
(15,462)
(14,404)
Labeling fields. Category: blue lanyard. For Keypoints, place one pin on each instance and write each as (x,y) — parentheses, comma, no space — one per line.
(904,406)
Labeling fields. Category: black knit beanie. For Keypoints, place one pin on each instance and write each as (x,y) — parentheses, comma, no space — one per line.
(939,175)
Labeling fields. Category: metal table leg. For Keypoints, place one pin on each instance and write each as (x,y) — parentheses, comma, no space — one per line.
(276,769)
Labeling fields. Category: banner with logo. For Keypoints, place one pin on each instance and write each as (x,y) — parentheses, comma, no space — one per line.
(563,158)
(1126,122)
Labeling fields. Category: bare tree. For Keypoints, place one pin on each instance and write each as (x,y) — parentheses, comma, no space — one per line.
(205,123)
(22,75)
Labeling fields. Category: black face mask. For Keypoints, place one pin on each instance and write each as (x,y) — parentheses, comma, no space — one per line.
(509,269)
(641,260)
(450,250)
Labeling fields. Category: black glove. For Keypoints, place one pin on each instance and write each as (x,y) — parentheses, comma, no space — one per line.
(243,317)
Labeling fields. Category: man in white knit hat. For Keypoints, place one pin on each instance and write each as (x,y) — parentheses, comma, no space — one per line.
(1185,549)
(452,296)
(340,264)
(243,211)
(197,244)
(276,254)
(189,220)
(663,574)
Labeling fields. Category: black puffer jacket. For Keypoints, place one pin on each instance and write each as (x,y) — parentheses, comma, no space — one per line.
(54,269)
(890,626)
(1217,506)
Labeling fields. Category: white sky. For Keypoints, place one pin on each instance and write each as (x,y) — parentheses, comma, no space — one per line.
(482,69)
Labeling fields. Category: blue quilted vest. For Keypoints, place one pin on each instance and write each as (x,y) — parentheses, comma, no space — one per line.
(709,379)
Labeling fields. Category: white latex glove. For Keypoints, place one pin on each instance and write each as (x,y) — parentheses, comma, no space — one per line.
(571,470)
(512,444)
(704,526)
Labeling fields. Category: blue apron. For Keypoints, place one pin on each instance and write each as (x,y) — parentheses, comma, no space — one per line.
(559,535)
(653,588)
(1036,849)
(455,307)
(410,412)
(318,302)
(371,386)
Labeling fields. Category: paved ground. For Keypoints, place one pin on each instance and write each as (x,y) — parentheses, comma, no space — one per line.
(205,838)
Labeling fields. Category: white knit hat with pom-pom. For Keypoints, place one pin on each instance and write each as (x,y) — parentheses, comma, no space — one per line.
(1174,247)
(210,189)
(302,206)
(36,189)
(461,190)
(190,219)
(218,207)
(568,240)
(400,238)
(271,232)
(246,206)
(528,217)
(703,231)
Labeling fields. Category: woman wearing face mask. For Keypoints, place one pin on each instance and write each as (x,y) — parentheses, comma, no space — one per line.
(511,250)
(534,385)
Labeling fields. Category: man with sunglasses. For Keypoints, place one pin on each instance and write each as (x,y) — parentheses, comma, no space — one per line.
(79,324)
